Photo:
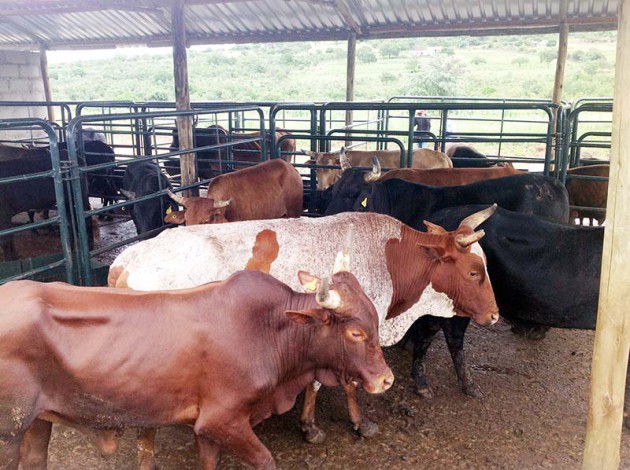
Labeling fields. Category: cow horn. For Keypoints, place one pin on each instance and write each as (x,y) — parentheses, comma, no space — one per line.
(464,241)
(342,261)
(327,298)
(376,171)
(222,204)
(343,160)
(178,199)
(476,219)
(309,153)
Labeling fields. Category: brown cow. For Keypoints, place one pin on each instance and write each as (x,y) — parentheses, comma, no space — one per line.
(270,190)
(447,176)
(422,158)
(220,358)
(588,193)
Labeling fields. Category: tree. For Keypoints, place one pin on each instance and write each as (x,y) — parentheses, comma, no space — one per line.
(389,49)
(547,55)
(366,55)
(520,61)
(434,80)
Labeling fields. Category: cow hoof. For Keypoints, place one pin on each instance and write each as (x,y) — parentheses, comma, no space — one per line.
(367,428)
(426,393)
(473,390)
(314,435)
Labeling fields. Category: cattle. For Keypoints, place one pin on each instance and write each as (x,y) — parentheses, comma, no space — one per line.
(545,274)
(142,179)
(238,351)
(405,273)
(465,156)
(100,180)
(269,190)
(588,193)
(422,158)
(36,194)
(411,202)
(449,176)
(222,158)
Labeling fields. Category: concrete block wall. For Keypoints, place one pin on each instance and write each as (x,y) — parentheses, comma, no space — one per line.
(20,80)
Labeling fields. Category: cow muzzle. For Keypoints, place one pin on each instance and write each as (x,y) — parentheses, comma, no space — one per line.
(380,383)
(488,318)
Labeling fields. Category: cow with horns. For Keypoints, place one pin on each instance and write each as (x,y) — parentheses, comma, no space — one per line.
(95,359)
(405,273)
(269,190)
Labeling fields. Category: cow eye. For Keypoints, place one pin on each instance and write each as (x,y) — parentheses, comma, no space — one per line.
(356,335)
(474,275)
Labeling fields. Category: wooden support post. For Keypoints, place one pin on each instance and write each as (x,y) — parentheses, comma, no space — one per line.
(561,61)
(182,97)
(43,65)
(612,335)
(352,56)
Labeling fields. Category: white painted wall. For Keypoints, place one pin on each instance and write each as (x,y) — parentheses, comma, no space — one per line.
(20,80)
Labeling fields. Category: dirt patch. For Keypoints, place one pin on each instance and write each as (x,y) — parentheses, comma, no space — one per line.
(533,415)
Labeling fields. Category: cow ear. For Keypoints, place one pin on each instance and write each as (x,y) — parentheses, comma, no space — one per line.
(308,281)
(309,316)
(175,217)
(433,228)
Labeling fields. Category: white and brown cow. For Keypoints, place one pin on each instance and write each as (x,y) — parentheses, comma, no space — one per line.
(404,272)
(422,158)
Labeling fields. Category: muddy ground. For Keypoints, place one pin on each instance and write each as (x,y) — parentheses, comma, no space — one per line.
(533,413)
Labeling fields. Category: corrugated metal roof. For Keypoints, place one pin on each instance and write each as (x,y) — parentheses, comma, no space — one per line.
(106,23)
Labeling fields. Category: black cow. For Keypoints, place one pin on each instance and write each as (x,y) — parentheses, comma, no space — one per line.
(544,274)
(37,194)
(411,202)
(465,156)
(141,179)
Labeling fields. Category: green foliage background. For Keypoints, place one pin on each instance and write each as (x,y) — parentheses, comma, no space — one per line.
(498,67)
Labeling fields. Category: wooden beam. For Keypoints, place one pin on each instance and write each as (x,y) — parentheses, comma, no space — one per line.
(561,60)
(43,65)
(182,96)
(612,334)
(350,69)
(344,11)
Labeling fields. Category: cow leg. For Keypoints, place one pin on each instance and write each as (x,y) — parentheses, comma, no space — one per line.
(146,449)
(236,437)
(423,331)
(34,447)
(312,433)
(209,453)
(454,331)
(361,424)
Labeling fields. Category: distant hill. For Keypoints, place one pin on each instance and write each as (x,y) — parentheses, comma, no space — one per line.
(497,67)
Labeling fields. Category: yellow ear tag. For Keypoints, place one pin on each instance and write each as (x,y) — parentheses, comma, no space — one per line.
(364,202)
(169,210)
(311,285)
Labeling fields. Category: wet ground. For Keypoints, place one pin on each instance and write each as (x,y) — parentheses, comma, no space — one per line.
(533,413)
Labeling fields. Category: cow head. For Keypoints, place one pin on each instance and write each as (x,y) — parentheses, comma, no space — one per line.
(460,273)
(198,210)
(345,331)
(326,177)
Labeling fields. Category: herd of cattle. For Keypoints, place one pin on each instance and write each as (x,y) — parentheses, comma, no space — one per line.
(424,249)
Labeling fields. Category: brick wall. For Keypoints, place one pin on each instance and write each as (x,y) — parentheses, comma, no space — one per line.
(20,80)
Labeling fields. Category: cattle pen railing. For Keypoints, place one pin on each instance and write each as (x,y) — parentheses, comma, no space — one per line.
(63,219)
(164,119)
